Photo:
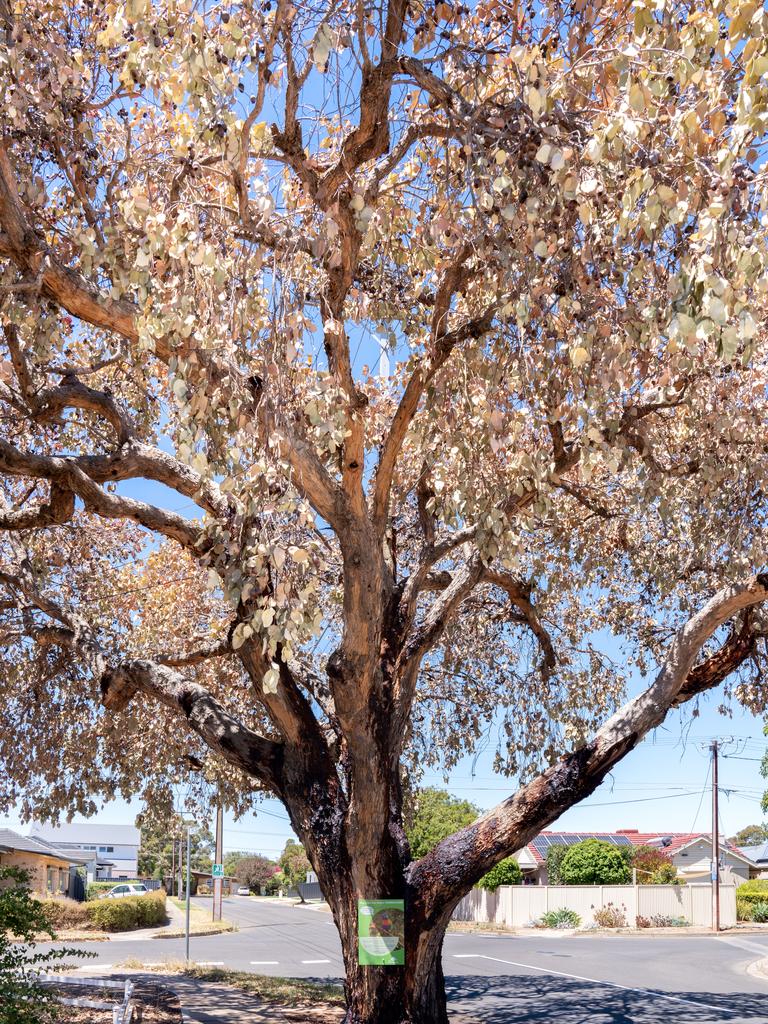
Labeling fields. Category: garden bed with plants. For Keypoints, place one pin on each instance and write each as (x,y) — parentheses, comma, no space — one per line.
(752,901)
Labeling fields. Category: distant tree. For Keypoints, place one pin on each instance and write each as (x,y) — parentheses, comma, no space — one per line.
(594,862)
(654,867)
(231,861)
(555,855)
(436,815)
(156,857)
(255,871)
(751,835)
(294,863)
(506,872)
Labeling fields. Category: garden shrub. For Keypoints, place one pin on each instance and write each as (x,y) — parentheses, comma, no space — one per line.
(594,862)
(562,918)
(65,913)
(22,919)
(743,909)
(760,912)
(555,855)
(506,872)
(611,916)
(129,912)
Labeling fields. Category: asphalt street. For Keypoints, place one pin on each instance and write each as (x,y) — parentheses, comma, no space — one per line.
(500,979)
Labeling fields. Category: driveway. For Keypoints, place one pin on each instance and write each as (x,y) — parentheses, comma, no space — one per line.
(493,979)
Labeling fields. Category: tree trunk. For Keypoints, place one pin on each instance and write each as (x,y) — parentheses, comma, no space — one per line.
(412,994)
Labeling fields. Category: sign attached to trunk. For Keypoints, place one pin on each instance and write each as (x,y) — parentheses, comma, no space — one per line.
(218,871)
(381,933)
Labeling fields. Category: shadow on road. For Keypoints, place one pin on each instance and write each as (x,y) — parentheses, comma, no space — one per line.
(550,1000)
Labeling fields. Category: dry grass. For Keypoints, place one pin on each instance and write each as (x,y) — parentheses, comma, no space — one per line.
(200,923)
(290,993)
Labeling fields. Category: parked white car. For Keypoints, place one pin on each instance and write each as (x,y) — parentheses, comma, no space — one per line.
(124,889)
(243,891)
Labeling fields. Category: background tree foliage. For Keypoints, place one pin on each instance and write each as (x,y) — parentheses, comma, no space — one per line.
(506,872)
(436,814)
(255,871)
(595,862)
(294,863)
(156,853)
(751,835)
(363,366)
(654,867)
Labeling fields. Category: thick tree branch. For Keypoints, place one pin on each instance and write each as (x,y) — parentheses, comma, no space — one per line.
(58,510)
(448,872)
(69,475)
(237,744)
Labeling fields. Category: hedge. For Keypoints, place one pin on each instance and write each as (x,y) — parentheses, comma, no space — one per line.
(748,896)
(128,912)
(67,914)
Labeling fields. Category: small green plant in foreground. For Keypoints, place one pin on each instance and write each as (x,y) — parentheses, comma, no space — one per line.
(22,917)
(562,918)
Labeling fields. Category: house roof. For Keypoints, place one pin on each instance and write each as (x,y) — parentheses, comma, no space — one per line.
(10,840)
(88,832)
(668,842)
(757,854)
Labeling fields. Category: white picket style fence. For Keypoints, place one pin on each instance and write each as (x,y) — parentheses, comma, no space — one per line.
(517,905)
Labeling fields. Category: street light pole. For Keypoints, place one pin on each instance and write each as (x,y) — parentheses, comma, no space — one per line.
(715,844)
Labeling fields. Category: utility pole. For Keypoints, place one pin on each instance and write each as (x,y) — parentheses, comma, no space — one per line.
(173,866)
(218,883)
(181,860)
(715,844)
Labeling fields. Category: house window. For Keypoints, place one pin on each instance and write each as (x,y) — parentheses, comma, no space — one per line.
(106,849)
(49,880)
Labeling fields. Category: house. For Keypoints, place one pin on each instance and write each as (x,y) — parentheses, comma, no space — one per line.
(50,870)
(758,855)
(690,852)
(112,850)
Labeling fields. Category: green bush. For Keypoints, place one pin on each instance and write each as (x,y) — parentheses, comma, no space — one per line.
(22,919)
(506,872)
(748,896)
(129,912)
(594,862)
(555,855)
(760,912)
(562,918)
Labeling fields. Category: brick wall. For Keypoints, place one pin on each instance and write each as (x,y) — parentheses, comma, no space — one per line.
(37,867)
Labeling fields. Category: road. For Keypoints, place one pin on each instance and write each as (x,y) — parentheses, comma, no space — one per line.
(505,979)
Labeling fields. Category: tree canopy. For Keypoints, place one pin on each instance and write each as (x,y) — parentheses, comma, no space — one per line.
(294,862)
(751,835)
(653,866)
(362,368)
(254,870)
(594,862)
(436,814)
(156,852)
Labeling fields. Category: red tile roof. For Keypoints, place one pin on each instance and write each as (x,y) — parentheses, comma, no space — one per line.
(637,838)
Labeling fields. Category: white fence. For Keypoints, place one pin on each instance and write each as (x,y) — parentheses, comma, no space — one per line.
(517,905)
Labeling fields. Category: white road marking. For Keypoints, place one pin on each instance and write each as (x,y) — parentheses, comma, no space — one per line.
(264,963)
(753,947)
(593,981)
(315,961)
(92,967)
(210,963)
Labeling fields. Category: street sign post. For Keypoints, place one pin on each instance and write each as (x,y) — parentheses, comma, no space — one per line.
(218,870)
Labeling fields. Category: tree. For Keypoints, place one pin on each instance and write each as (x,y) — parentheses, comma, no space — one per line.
(555,855)
(437,815)
(294,863)
(751,835)
(594,862)
(653,866)
(255,871)
(156,852)
(506,872)
(235,557)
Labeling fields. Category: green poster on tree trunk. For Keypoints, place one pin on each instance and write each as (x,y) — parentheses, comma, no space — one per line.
(381,932)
